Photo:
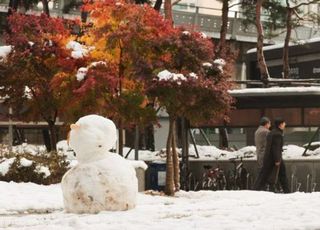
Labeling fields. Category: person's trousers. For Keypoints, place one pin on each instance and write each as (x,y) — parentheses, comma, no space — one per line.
(283,180)
(264,174)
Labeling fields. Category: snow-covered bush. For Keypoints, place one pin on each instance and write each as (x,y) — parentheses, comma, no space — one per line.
(25,167)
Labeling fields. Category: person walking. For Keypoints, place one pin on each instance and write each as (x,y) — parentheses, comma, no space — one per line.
(273,166)
(260,139)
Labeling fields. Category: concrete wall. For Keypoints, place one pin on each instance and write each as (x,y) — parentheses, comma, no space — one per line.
(303,175)
(140,173)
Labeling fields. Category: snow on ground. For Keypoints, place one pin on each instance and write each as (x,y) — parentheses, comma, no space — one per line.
(290,152)
(30,206)
(206,153)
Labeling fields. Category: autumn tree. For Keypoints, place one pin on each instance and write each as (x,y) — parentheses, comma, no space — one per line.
(38,54)
(186,90)
(127,38)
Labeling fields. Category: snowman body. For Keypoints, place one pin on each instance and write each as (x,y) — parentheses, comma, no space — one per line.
(102,180)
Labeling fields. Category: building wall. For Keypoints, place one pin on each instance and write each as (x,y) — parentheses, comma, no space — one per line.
(210,7)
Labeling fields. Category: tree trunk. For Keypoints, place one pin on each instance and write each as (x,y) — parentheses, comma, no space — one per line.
(140,1)
(45,7)
(53,135)
(157,5)
(169,189)
(220,51)
(264,73)
(13,6)
(285,57)
(168,10)
(121,75)
(175,159)
(136,143)
(223,138)
(120,138)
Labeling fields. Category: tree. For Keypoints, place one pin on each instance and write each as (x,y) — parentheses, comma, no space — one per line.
(158,4)
(38,54)
(127,38)
(220,50)
(292,20)
(264,73)
(168,10)
(278,18)
(274,17)
(188,91)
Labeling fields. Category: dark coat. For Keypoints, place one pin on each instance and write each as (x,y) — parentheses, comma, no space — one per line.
(273,154)
(273,151)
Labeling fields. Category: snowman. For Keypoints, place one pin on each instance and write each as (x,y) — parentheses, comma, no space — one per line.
(101,180)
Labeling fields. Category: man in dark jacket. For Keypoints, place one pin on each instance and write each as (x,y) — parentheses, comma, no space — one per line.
(273,165)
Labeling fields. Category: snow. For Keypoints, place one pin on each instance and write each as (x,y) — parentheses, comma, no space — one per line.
(275,90)
(185,32)
(207,64)
(203,35)
(40,5)
(4,51)
(25,162)
(19,198)
(77,50)
(27,92)
(312,143)
(64,149)
(165,75)
(29,148)
(280,45)
(101,180)
(211,153)
(92,137)
(205,153)
(219,61)
(139,164)
(43,170)
(193,75)
(81,73)
(36,207)
(5,165)
(98,63)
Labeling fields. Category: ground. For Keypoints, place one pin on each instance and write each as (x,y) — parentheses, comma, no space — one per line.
(31,206)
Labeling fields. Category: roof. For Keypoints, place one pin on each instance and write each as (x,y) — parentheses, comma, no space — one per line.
(277,97)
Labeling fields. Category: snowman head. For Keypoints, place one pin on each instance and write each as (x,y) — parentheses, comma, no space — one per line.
(91,137)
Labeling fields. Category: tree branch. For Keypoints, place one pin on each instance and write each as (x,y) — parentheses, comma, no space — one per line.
(176,2)
(297,15)
(305,4)
(236,4)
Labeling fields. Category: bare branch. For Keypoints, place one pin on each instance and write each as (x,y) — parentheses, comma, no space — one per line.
(297,14)
(306,4)
(236,4)
(176,2)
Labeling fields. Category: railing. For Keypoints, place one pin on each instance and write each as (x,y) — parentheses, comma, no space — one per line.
(205,19)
